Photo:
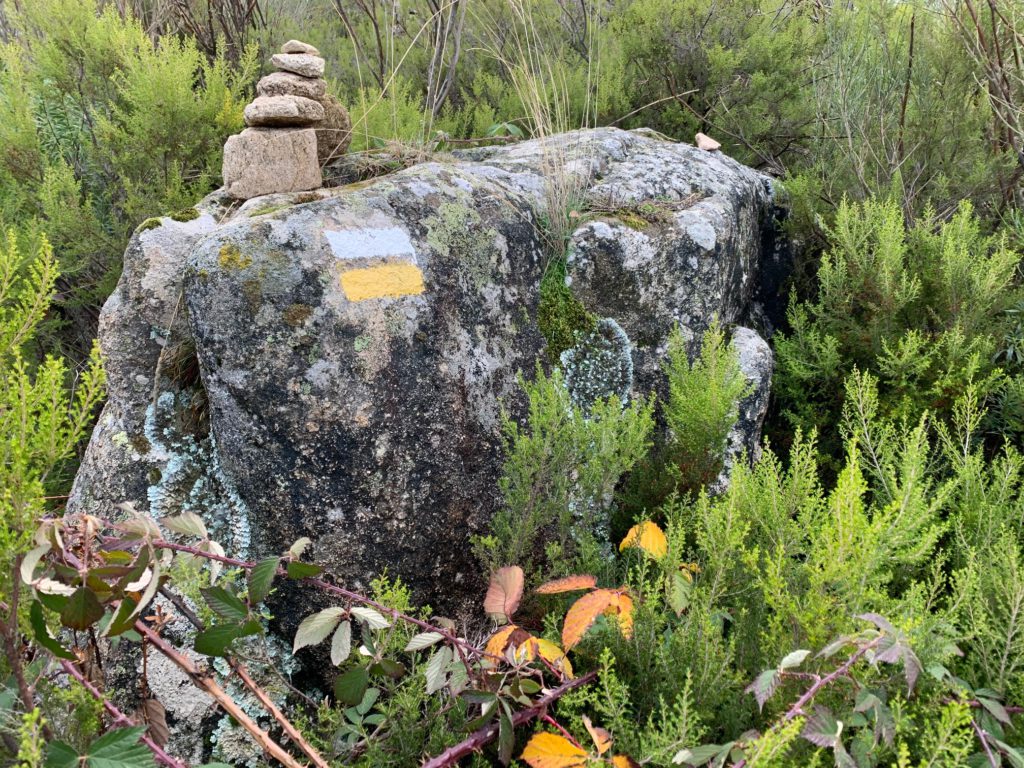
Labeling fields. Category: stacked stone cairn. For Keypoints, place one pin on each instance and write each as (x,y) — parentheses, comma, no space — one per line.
(294,128)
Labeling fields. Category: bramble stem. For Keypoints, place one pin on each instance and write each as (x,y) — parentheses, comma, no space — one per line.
(120,718)
(810,693)
(479,738)
(243,674)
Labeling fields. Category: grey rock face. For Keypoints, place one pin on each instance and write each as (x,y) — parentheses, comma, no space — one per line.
(288,84)
(354,347)
(260,161)
(304,64)
(283,111)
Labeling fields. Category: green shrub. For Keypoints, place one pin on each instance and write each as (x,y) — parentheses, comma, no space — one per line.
(922,310)
(560,474)
(103,127)
(701,409)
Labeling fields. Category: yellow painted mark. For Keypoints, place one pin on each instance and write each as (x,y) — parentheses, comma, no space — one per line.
(386,280)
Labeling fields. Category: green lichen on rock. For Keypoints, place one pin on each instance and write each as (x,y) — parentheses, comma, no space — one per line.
(599,365)
(455,231)
(561,317)
(185,214)
(266,209)
(230,257)
(151,223)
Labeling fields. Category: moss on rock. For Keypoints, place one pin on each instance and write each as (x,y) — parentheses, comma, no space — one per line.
(185,214)
(561,317)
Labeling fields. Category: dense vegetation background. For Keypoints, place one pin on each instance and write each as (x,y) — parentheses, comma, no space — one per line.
(893,485)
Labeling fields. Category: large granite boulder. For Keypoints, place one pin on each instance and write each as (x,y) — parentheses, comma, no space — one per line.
(348,351)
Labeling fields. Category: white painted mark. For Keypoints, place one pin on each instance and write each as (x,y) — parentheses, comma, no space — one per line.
(378,242)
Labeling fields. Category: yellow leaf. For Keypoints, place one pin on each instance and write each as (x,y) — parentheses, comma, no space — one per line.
(623,761)
(533,647)
(602,739)
(549,750)
(568,584)
(504,593)
(649,537)
(583,614)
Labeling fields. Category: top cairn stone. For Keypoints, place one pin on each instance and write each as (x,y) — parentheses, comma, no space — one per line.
(297,46)
(304,64)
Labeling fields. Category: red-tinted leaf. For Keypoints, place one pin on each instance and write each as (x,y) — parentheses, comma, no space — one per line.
(504,593)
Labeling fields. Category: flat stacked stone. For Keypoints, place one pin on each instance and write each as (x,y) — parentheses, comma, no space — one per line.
(287,111)
(290,84)
(294,127)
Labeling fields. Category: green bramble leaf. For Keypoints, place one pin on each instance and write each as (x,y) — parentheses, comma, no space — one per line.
(822,729)
(317,627)
(61,755)
(42,633)
(261,578)
(697,755)
(437,669)
(764,686)
(82,609)
(215,640)
(225,604)
(187,524)
(423,640)
(119,748)
(370,617)
(296,549)
(297,570)
(341,643)
(794,659)
(350,687)
(506,735)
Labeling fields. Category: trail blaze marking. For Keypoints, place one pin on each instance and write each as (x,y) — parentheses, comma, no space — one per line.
(386,280)
(370,242)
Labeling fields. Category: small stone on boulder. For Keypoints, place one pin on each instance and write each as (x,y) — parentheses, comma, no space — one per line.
(297,46)
(300,63)
(334,132)
(288,84)
(283,111)
(705,142)
(261,161)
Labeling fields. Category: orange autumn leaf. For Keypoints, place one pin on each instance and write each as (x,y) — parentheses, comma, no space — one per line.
(649,537)
(624,611)
(584,613)
(568,584)
(602,739)
(549,750)
(504,593)
(499,640)
(624,761)
(535,647)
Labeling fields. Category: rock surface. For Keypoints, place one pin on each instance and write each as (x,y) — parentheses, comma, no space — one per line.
(289,84)
(353,347)
(260,161)
(303,64)
(334,132)
(283,111)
